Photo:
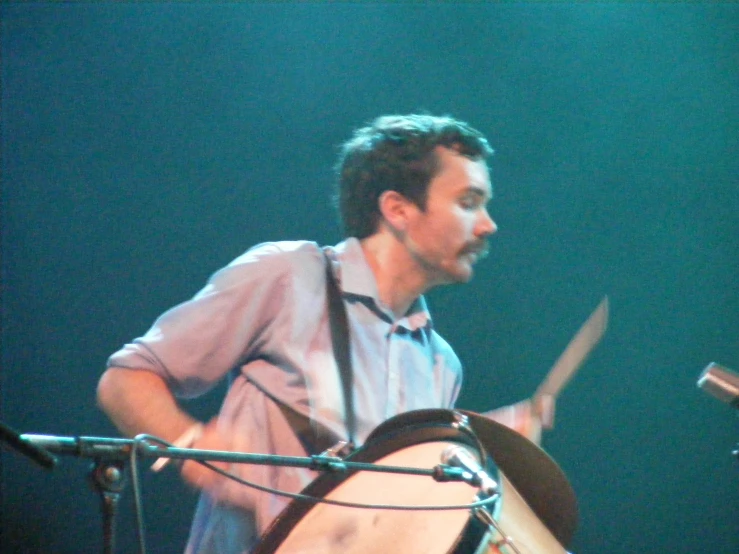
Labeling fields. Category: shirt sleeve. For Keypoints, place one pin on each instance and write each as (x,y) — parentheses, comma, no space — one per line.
(195,344)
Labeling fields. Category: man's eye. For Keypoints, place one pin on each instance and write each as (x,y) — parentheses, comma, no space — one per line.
(469,203)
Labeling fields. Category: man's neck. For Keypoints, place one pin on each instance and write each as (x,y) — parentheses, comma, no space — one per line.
(399,281)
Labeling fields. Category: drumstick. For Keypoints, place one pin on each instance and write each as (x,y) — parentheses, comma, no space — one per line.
(569,361)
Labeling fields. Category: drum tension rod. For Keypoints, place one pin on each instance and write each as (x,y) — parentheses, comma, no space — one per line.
(484,516)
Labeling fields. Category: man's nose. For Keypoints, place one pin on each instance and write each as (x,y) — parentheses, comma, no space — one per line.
(486,226)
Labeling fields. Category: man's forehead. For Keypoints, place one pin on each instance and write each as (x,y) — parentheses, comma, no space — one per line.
(463,173)
(451,157)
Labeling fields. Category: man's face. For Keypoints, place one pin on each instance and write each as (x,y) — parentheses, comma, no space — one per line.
(449,236)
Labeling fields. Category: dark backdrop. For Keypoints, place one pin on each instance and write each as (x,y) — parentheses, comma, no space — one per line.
(144,145)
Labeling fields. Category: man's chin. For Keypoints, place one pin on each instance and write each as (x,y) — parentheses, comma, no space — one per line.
(467,270)
(460,275)
(466,277)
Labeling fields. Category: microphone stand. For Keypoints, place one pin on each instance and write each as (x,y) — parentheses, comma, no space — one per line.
(110,455)
(107,478)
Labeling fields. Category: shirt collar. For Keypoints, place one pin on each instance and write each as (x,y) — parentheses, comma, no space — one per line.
(356,278)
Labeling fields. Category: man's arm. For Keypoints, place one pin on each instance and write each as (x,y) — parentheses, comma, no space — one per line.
(525,417)
(139,401)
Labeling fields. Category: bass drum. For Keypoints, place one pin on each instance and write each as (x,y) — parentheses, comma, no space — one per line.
(415,439)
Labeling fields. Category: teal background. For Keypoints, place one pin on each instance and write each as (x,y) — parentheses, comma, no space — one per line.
(144,145)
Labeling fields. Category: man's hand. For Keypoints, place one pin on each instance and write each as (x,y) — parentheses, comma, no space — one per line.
(197,474)
(527,417)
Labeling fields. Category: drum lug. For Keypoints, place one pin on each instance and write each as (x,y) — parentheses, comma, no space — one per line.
(461,421)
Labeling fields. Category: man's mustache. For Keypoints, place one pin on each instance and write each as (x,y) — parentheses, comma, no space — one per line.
(481,249)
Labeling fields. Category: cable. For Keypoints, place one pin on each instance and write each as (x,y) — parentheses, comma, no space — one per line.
(138,506)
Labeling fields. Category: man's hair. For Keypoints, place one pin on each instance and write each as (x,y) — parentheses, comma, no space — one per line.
(396,152)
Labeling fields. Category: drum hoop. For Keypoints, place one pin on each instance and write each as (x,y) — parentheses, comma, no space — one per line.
(402,431)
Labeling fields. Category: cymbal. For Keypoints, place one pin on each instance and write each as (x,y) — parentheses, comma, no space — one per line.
(534,474)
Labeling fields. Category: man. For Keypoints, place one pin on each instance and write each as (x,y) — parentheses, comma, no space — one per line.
(412,194)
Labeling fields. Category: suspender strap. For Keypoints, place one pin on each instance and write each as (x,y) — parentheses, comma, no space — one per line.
(342,352)
(317,438)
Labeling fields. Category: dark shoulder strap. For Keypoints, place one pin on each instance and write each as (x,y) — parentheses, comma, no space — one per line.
(339,326)
(317,438)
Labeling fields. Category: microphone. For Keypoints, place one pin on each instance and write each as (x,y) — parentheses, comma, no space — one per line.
(35,452)
(720,383)
(459,456)
(83,447)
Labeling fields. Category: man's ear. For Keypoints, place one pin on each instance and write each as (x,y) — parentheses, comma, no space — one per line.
(395,209)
